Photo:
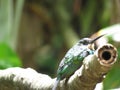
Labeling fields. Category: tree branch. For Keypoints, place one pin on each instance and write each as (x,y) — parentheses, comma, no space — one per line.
(93,70)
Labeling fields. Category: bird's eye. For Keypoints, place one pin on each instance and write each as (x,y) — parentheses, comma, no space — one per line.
(85,42)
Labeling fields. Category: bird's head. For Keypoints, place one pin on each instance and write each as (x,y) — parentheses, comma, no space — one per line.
(89,42)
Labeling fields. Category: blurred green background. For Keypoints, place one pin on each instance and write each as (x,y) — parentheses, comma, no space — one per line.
(38,33)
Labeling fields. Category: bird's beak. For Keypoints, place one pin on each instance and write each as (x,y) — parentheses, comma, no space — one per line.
(91,45)
(93,40)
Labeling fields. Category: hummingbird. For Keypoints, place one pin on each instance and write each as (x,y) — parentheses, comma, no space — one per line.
(74,58)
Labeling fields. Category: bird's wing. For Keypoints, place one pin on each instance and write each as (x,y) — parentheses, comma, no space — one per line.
(64,63)
(67,60)
(70,56)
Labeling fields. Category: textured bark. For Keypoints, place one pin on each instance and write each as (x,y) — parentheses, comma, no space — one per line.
(93,70)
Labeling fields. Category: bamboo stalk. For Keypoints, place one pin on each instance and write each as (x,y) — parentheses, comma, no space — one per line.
(93,70)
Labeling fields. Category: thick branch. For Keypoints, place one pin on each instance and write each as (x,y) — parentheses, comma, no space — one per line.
(92,72)
(94,68)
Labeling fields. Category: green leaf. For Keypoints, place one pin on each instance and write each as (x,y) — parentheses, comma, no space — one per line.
(8,58)
(112,80)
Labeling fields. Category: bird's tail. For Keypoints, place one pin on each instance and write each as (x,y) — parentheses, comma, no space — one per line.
(56,84)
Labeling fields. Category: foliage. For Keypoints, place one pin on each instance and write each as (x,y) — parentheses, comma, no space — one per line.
(8,32)
(8,57)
